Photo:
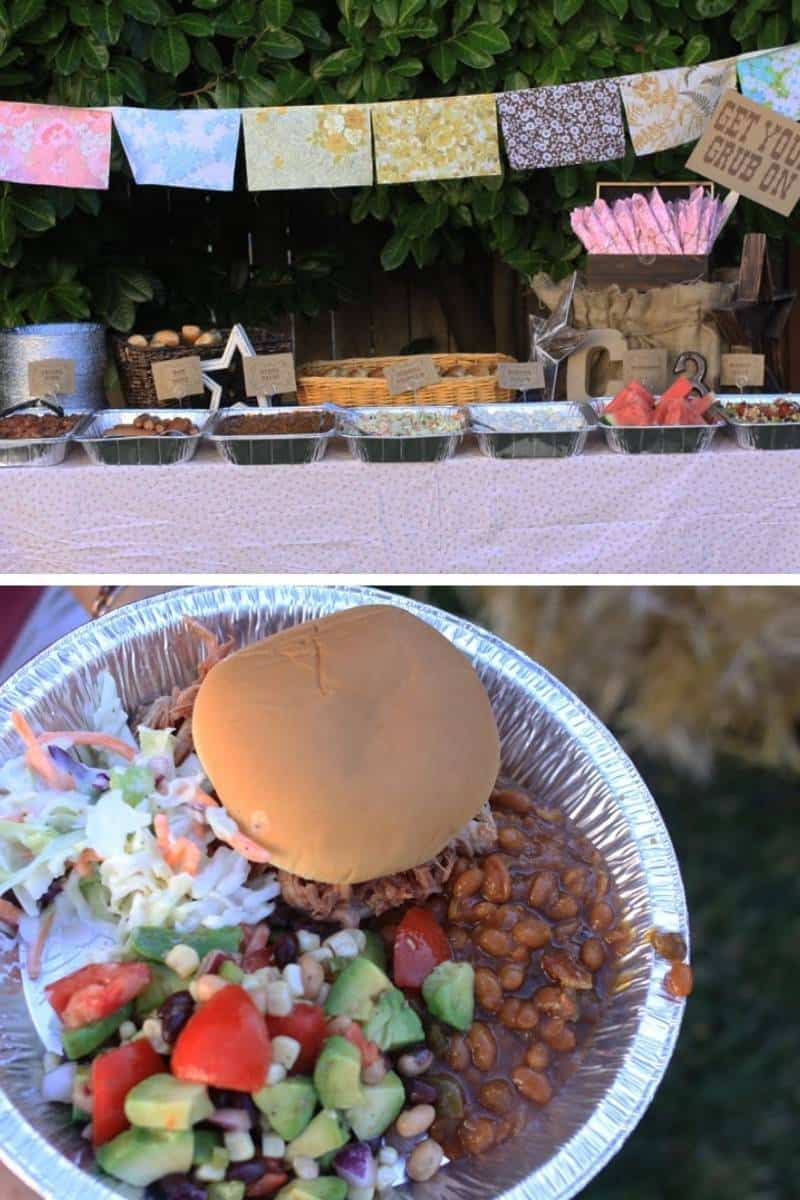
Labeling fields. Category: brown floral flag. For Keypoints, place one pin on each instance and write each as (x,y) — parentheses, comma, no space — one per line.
(564,124)
(668,108)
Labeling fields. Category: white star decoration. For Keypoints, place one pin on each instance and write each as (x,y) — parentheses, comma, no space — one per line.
(237,340)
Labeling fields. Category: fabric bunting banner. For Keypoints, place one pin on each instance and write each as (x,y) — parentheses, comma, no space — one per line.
(60,147)
(773,79)
(328,145)
(560,125)
(451,138)
(668,108)
(190,148)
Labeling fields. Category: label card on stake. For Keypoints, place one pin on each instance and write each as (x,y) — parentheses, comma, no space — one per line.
(649,366)
(51,377)
(411,374)
(521,376)
(752,150)
(176,378)
(269,374)
(742,370)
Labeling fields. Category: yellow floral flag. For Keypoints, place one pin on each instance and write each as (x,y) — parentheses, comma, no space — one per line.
(311,146)
(668,108)
(449,138)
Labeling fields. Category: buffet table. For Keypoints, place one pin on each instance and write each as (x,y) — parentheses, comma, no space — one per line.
(725,510)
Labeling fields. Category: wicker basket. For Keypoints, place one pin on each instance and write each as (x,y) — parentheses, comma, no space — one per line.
(315,384)
(136,377)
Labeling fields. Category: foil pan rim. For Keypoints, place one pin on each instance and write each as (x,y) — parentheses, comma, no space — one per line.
(575,1161)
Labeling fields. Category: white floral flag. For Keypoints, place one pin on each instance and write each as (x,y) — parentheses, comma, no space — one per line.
(308,146)
(188,148)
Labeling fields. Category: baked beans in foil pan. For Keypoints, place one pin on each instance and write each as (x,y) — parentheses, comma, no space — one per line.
(47,442)
(551,744)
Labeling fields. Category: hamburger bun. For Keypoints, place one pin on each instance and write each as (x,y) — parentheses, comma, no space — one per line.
(351,747)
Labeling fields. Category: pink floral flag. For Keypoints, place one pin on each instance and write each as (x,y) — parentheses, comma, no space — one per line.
(48,144)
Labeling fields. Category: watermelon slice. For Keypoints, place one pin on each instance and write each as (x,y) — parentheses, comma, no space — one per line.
(682,388)
(633,405)
(700,406)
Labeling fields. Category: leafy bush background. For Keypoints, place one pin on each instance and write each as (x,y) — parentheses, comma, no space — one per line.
(67,253)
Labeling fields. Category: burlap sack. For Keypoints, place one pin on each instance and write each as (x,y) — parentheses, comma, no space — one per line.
(676,318)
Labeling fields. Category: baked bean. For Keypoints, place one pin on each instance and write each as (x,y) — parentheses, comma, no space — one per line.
(563,907)
(519,954)
(511,800)
(679,981)
(574,880)
(532,933)
(533,1085)
(537,1056)
(519,1014)
(565,1041)
(543,886)
(476,1134)
(601,916)
(493,941)
(564,930)
(482,1046)
(509,914)
(497,1095)
(458,1055)
(553,816)
(458,937)
(487,912)
(561,966)
(496,884)
(468,883)
(601,882)
(424,1160)
(552,1030)
(670,946)
(512,840)
(461,865)
(488,991)
(415,1121)
(556,1003)
(593,954)
(512,976)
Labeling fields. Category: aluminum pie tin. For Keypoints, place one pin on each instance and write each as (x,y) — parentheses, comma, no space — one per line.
(149,450)
(762,435)
(659,439)
(268,449)
(551,742)
(40,452)
(412,447)
(545,430)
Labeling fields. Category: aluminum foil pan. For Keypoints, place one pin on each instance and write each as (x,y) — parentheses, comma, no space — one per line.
(546,430)
(268,449)
(765,435)
(39,452)
(82,341)
(659,439)
(551,743)
(415,444)
(149,450)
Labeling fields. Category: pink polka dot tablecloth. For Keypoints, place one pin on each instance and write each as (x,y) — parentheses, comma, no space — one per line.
(725,510)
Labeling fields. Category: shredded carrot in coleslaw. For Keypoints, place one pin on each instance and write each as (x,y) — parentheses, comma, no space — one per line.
(39,760)
(85,861)
(179,853)
(35,956)
(85,737)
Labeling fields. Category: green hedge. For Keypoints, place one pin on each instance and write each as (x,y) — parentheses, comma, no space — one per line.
(66,253)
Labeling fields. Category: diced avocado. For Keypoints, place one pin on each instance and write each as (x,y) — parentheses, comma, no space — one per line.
(163,983)
(232,1189)
(154,942)
(326,1132)
(80,1043)
(337,1075)
(231,972)
(289,1106)
(374,949)
(164,1102)
(381,1104)
(449,992)
(141,1156)
(205,1143)
(326,1187)
(393,1022)
(353,994)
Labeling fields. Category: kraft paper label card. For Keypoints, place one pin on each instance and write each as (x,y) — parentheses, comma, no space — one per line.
(411,374)
(752,150)
(305,146)
(450,138)
(178,377)
(556,126)
(520,377)
(667,108)
(742,370)
(188,147)
(48,144)
(51,377)
(648,366)
(773,79)
(269,374)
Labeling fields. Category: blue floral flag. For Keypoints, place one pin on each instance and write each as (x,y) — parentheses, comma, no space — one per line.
(188,148)
(773,79)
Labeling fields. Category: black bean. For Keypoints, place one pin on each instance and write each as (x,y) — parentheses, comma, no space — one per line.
(286,947)
(248,1172)
(420,1092)
(174,1013)
(223,1098)
(179,1187)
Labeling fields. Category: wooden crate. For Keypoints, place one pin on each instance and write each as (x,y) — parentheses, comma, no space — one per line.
(643,272)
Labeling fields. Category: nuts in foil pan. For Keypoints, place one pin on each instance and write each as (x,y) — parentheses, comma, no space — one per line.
(550,743)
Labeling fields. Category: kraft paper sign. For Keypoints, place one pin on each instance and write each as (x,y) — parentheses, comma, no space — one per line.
(521,377)
(178,377)
(51,377)
(648,366)
(742,370)
(269,375)
(752,150)
(411,375)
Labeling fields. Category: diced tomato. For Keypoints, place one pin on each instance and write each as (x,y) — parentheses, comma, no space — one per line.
(268,1184)
(341,1027)
(114,1074)
(306,1024)
(97,991)
(420,944)
(225,1044)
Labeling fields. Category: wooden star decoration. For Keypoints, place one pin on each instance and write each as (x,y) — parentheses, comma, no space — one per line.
(237,340)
